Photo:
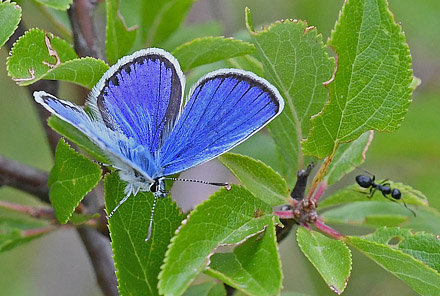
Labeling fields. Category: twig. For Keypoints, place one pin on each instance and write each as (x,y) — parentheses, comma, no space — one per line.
(24,178)
(36,212)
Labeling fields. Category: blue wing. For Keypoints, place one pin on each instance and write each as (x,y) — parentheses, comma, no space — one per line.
(141,96)
(125,154)
(225,108)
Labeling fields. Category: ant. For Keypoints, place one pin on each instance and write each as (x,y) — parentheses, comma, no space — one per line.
(384,187)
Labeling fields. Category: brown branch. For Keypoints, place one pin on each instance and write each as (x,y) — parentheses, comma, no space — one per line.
(25,178)
(84,34)
(100,253)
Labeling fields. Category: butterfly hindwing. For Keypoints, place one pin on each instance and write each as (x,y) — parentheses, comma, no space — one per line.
(141,96)
(225,108)
(118,148)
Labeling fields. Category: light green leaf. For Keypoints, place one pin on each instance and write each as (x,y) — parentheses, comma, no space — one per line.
(39,55)
(296,62)
(226,218)
(56,4)
(374,213)
(71,178)
(138,262)
(161,18)
(206,289)
(248,63)
(84,71)
(190,32)
(330,257)
(10,15)
(428,219)
(254,267)
(73,134)
(371,89)
(354,193)
(422,246)
(208,50)
(261,180)
(118,37)
(16,230)
(347,157)
(416,274)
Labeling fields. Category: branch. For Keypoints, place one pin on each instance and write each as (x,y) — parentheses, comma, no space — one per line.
(100,253)
(25,178)
(84,33)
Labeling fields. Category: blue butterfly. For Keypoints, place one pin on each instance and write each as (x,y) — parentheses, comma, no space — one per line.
(137,117)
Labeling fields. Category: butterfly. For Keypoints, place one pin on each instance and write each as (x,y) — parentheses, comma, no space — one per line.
(137,117)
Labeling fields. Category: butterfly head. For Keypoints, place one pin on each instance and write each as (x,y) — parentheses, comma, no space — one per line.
(158,188)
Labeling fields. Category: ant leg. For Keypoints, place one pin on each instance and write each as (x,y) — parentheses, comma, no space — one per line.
(372,192)
(404,203)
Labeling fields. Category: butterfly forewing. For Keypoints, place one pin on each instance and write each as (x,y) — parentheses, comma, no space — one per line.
(141,96)
(225,108)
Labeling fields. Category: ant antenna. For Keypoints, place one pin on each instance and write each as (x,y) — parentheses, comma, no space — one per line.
(364,170)
(225,184)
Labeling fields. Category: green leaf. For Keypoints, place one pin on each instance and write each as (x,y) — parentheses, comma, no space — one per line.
(56,4)
(208,50)
(118,37)
(423,279)
(226,218)
(248,63)
(371,89)
(254,267)
(374,213)
(138,262)
(71,178)
(189,32)
(258,178)
(330,257)
(161,18)
(353,193)
(428,219)
(347,157)
(16,230)
(296,62)
(10,15)
(422,246)
(73,134)
(206,289)
(34,54)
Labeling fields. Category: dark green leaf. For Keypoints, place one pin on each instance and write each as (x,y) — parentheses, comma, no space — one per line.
(296,62)
(258,178)
(371,89)
(119,38)
(10,15)
(422,246)
(254,267)
(138,262)
(208,50)
(330,257)
(71,178)
(226,218)
(423,279)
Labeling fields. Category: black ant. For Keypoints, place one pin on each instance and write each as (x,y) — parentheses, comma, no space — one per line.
(384,187)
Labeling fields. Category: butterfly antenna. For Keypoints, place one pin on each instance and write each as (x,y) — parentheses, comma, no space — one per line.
(119,204)
(225,184)
(151,219)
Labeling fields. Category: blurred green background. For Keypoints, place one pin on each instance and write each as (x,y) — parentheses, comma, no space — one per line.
(57,264)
